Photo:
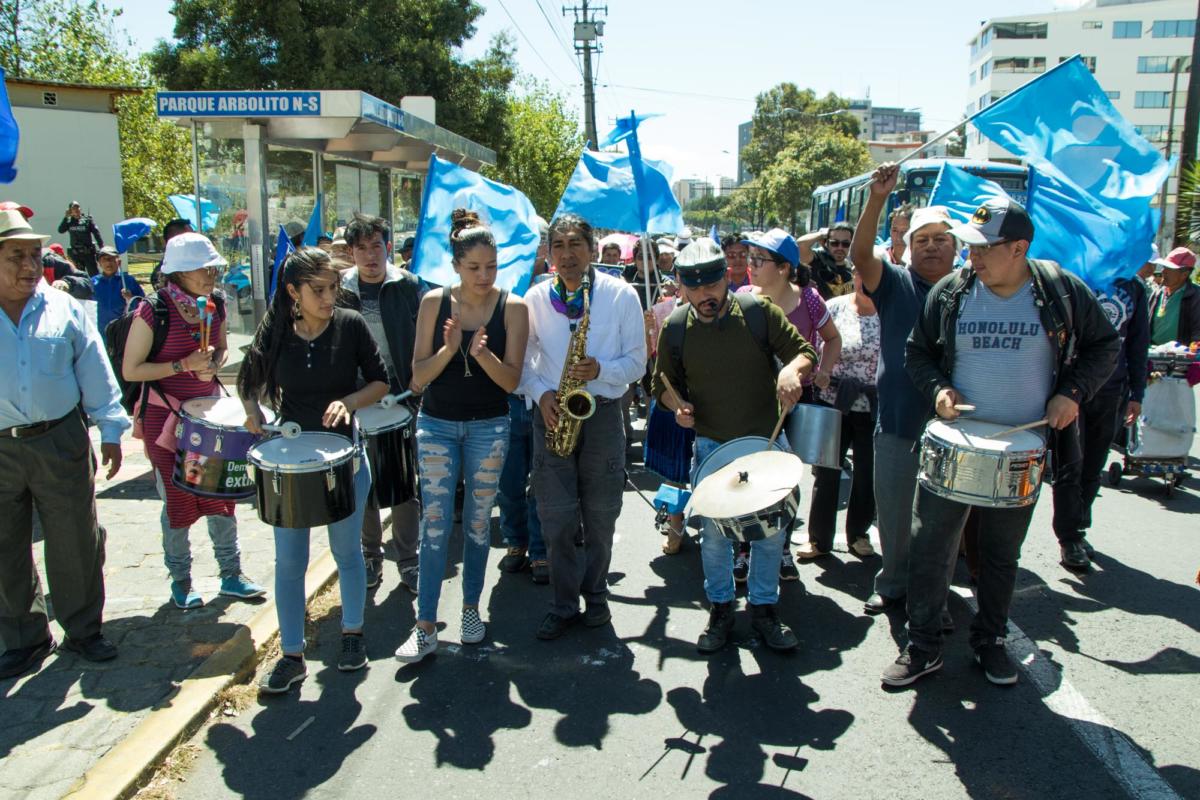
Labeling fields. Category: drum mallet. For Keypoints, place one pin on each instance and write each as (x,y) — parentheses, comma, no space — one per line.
(390,400)
(1024,427)
(288,430)
(965,408)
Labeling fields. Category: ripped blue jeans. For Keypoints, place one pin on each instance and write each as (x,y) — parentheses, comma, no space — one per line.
(445,450)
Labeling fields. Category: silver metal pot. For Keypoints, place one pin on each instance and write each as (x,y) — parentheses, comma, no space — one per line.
(815,435)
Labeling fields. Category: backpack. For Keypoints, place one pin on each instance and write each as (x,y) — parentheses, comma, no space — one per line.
(117,332)
(756,321)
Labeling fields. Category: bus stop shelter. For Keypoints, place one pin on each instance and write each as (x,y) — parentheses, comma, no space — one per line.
(265,159)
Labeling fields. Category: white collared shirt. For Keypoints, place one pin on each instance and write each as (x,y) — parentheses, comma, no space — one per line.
(616,339)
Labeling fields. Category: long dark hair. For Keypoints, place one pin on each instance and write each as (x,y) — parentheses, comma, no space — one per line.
(256,378)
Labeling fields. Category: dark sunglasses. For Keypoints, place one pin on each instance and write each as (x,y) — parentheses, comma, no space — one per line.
(839,242)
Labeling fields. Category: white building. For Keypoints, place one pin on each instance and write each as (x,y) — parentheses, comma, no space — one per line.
(1131,46)
(688,189)
(69,150)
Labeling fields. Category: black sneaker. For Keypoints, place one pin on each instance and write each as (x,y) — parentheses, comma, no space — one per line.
(596,615)
(553,626)
(354,652)
(716,634)
(997,666)
(912,664)
(741,566)
(374,572)
(787,567)
(1074,556)
(767,625)
(539,571)
(20,660)
(514,560)
(286,672)
(410,578)
(93,648)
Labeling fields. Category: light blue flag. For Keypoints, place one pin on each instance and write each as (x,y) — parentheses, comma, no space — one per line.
(283,246)
(603,191)
(185,207)
(960,192)
(712,233)
(626,127)
(10,136)
(504,209)
(314,230)
(1065,127)
(126,232)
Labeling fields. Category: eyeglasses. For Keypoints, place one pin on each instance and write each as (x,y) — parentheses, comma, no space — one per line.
(758,261)
(982,249)
(839,242)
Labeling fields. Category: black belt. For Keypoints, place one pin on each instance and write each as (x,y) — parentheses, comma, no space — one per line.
(36,429)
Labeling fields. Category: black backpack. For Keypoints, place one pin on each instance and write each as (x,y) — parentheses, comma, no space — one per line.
(117,332)
(752,311)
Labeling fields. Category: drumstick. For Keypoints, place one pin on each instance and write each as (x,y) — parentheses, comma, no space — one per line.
(964,407)
(201,307)
(1024,427)
(675,398)
(775,433)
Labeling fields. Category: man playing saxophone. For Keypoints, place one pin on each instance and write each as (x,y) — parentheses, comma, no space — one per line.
(579,468)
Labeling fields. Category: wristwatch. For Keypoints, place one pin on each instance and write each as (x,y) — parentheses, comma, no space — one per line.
(177,367)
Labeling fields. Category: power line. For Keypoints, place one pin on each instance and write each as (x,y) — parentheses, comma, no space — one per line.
(558,37)
(553,73)
(683,94)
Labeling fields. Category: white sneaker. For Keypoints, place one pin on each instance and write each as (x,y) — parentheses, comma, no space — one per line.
(419,645)
(473,629)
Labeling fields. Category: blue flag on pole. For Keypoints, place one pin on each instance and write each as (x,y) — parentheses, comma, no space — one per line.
(314,230)
(283,246)
(126,232)
(185,207)
(1066,128)
(603,191)
(10,136)
(961,193)
(504,209)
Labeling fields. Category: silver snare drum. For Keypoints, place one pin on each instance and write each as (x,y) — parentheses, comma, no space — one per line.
(958,463)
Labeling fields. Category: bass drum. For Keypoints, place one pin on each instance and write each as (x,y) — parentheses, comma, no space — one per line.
(763,523)
(304,482)
(210,458)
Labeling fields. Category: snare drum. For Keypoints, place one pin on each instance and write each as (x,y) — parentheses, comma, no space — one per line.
(210,459)
(304,482)
(958,463)
(775,519)
(388,440)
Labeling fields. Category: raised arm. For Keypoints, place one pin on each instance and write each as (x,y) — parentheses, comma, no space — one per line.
(862,246)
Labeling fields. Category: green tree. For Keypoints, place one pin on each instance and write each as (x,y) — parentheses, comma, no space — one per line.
(784,110)
(809,158)
(542,146)
(388,48)
(77,42)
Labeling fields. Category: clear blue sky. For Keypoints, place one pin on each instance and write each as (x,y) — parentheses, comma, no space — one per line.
(701,62)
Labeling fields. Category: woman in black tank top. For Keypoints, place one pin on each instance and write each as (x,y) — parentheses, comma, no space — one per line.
(468,355)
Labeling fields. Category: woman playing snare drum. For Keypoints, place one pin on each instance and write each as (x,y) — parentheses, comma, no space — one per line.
(304,362)
(469,352)
(181,370)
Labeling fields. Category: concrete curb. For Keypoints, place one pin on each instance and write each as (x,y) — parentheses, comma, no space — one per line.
(124,768)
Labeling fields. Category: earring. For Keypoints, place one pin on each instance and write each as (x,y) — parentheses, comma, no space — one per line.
(296,309)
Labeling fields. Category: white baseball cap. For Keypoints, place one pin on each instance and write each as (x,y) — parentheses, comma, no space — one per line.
(189,251)
(927,215)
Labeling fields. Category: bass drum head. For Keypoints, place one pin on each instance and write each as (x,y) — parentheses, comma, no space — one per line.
(731,451)
(222,412)
(376,419)
(308,452)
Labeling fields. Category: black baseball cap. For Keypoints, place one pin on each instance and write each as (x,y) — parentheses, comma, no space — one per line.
(998,220)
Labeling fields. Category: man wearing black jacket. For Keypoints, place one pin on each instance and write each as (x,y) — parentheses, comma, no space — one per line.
(82,231)
(1021,340)
(1076,483)
(388,298)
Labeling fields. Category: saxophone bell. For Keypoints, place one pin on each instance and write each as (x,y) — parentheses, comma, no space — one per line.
(579,404)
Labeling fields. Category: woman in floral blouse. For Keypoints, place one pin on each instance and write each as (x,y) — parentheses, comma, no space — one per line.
(851,390)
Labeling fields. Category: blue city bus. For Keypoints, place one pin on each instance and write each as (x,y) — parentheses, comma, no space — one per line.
(844,200)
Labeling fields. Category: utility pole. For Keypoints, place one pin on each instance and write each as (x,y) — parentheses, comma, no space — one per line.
(588,31)
(1191,123)
(1162,200)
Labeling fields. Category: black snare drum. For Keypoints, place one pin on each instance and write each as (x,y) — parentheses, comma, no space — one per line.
(304,482)
(389,443)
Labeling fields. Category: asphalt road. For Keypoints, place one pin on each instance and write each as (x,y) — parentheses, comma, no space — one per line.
(1107,705)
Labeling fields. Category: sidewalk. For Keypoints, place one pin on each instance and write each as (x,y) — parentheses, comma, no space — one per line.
(60,721)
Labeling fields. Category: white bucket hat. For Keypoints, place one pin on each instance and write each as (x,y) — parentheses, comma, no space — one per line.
(189,251)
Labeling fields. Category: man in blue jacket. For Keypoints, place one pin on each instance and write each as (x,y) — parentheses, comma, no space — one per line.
(114,288)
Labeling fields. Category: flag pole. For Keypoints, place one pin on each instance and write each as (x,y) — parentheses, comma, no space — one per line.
(967,120)
(646,267)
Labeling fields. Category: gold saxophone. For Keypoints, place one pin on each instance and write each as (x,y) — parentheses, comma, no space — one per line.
(574,402)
